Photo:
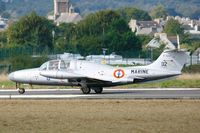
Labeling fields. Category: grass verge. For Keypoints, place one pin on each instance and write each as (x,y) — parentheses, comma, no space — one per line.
(167,84)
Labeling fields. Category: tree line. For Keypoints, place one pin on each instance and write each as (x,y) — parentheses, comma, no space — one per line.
(104,29)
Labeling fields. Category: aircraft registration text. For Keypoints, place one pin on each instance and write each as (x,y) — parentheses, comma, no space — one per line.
(139,71)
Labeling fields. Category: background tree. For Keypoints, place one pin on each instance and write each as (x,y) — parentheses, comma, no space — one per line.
(105,29)
(91,32)
(65,37)
(97,23)
(159,12)
(3,39)
(134,13)
(31,30)
(173,27)
(20,62)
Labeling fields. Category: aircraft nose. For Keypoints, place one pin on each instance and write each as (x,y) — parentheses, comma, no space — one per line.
(11,76)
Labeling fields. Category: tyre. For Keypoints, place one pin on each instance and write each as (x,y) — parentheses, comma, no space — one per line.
(86,90)
(21,90)
(98,90)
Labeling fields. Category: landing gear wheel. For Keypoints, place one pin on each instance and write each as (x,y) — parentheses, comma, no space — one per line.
(21,90)
(98,90)
(85,90)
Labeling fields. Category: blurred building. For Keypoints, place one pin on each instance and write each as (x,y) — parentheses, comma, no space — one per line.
(114,59)
(70,56)
(64,12)
(170,42)
(146,27)
(65,56)
(100,58)
(3,24)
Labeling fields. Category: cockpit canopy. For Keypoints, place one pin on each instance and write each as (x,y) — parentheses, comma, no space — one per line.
(56,65)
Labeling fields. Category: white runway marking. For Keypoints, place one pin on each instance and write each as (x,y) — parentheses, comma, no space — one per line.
(45,96)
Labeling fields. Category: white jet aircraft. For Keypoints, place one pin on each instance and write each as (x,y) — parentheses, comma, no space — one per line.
(90,76)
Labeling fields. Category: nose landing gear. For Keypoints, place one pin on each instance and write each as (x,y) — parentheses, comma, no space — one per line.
(20,90)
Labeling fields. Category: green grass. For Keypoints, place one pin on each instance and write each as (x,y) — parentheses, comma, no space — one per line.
(7,85)
(168,84)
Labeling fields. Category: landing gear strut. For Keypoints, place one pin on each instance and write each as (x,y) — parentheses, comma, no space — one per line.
(20,90)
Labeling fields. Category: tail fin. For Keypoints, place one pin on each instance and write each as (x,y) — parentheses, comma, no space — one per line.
(171,60)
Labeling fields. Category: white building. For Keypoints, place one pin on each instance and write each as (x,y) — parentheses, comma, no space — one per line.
(65,56)
(145,27)
(103,58)
(170,42)
(70,56)
(3,24)
(114,59)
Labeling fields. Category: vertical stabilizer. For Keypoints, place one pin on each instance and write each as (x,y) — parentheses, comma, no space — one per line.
(171,60)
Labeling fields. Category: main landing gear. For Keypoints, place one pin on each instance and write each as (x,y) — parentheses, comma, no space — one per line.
(87,90)
(20,90)
(98,90)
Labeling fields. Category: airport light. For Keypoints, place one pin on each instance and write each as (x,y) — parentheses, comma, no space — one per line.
(53,35)
(104,51)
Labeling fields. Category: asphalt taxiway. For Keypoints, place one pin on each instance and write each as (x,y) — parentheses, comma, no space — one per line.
(151,93)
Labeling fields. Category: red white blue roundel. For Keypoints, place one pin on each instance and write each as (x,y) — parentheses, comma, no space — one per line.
(119,73)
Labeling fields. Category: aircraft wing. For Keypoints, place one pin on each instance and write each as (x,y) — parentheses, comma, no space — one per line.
(57,74)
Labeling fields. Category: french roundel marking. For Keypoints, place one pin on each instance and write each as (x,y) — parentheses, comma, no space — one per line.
(119,73)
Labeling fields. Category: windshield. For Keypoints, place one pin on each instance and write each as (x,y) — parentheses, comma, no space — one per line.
(44,66)
(55,65)
(64,65)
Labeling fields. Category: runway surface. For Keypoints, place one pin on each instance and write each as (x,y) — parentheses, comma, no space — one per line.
(162,93)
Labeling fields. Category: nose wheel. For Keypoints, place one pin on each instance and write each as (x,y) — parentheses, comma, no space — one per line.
(20,90)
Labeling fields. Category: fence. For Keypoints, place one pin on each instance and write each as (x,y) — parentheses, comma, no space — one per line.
(193,60)
(12,52)
(6,53)
(5,68)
